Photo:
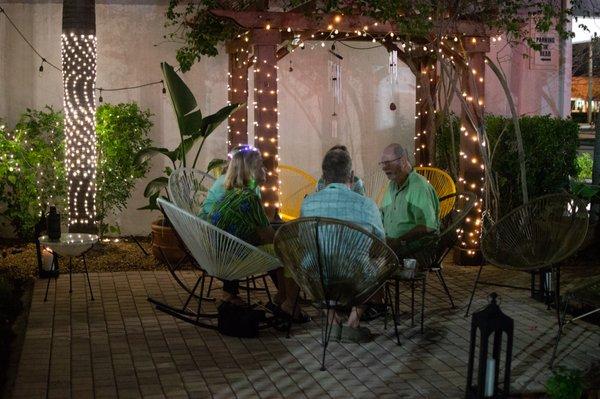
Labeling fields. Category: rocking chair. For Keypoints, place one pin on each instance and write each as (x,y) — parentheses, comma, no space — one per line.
(220,254)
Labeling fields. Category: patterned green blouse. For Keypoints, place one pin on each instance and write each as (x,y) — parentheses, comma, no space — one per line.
(239,212)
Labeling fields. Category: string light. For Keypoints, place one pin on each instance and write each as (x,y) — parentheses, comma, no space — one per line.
(78,54)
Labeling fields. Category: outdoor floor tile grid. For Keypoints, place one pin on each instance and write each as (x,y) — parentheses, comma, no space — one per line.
(120,346)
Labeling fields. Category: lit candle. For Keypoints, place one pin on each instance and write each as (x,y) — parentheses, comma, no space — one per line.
(47,259)
(490,374)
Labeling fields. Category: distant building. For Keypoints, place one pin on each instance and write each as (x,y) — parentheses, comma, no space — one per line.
(580,81)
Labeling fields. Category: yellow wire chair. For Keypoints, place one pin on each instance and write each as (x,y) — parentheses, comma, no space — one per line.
(442,183)
(376,183)
(295,185)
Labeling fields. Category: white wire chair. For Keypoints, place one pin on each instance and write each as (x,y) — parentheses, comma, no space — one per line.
(215,253)
(187,188)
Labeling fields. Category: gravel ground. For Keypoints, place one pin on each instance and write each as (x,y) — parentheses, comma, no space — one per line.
(103,257)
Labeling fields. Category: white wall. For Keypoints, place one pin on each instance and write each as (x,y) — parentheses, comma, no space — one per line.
(131,47)
(127,55)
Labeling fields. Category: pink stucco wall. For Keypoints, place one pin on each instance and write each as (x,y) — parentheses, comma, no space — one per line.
(535,91)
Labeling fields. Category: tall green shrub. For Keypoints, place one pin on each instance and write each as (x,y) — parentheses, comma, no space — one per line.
(122,131)
(550,146)
(32,172)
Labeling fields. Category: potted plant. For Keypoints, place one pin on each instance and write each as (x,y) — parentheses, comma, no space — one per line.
(193,127)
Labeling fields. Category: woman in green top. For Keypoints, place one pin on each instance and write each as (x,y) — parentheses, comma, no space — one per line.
(240,213)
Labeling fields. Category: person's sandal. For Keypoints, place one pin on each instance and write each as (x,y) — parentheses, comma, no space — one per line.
(355,335)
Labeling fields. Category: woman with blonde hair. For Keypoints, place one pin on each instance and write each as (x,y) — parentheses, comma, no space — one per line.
(240,213)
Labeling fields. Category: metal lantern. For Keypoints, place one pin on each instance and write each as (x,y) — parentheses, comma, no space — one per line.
(495,328)
(46,260)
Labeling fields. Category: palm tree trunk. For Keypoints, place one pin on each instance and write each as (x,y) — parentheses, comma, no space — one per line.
(78,52)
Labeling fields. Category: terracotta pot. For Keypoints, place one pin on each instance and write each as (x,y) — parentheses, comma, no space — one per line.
(165,239)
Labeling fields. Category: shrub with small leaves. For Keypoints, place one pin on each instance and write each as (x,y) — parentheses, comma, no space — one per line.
(584,166)
(32,173)
(122,131)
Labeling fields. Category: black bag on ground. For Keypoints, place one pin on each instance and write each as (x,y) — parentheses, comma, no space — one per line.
(239,321)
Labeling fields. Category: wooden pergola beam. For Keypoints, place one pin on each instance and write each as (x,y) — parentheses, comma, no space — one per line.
(300,22)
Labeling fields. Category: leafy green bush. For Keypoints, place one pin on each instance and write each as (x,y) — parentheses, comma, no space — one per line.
(565,384)
(122,131)
(584,166)
(32,172)
(550,146)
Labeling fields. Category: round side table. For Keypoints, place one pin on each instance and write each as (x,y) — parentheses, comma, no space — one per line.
(70,245)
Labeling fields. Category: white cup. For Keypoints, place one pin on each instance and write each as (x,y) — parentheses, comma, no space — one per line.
(410,264)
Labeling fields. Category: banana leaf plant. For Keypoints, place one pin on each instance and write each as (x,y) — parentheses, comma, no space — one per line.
(193,128)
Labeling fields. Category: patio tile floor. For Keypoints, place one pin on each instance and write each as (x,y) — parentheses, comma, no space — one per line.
(120,346)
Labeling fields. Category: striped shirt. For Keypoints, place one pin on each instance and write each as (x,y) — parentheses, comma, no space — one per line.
(338,201)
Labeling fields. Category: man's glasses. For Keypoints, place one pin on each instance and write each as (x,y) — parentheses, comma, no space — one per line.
(386,163)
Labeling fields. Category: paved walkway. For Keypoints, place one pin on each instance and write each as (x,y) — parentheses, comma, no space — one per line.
(120,346)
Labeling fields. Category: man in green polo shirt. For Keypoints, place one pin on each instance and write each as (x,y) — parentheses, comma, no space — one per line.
(410,206)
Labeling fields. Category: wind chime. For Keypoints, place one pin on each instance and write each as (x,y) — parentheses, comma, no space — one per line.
(335,86)
(393,76)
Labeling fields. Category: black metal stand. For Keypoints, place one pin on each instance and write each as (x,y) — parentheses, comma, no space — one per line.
(412,298)
(55,267)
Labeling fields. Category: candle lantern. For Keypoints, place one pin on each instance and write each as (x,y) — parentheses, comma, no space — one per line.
(46,260)
(495,332)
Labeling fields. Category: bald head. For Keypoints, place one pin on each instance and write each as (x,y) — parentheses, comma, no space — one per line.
(396,150)
(394,163)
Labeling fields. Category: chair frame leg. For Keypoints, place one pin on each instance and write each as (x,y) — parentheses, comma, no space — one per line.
(248,290)
(54,268)
(440,275)
(562,315)
(423,290)
(412,303)
(268,292)
(397,295)
(388,297)
(87,275)
(473,291)
(388,304)
(326,329)
(183,313)
(70,274)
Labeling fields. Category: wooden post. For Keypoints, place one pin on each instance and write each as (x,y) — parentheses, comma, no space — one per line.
(266,126)
(424,112)
(237,130)
(471,167)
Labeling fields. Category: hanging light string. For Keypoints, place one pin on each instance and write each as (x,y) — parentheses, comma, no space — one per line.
(45,61)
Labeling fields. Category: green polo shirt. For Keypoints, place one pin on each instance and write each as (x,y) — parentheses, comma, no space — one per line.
(412,204)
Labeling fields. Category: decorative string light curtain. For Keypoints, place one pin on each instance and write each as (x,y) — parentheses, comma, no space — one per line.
(78,53)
